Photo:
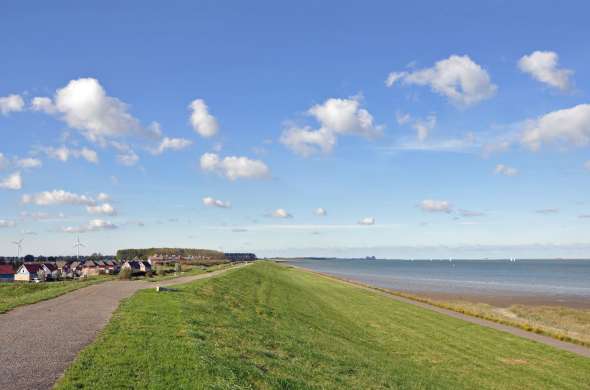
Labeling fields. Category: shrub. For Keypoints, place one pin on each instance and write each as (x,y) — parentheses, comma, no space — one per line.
(125,273)
(177,268)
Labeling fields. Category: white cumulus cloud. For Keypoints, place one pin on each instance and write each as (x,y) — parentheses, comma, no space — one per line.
(436,206)
(543,67)
(105,208)
(92,226)
(336,117)
(12,182)
(458,78)
(320,212)
(234,167)
(128,158)
(569,126)
(202,121)
(102,197)
(209,201)
(281,213)
(171,144)
(367,221)
(11,103)
(423,127)
(57,197)
(63,153)
(83,104)
(505,170)
(29,163)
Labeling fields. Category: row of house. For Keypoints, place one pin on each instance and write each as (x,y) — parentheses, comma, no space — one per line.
(28,272)
(58,270)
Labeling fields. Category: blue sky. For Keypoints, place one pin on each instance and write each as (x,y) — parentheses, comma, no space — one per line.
(421,130)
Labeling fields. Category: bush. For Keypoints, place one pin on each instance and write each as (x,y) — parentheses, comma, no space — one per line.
(125,273)
(149,273)
(177,268)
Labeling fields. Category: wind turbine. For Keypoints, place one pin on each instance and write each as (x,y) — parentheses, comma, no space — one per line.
(77,245)
(19,247)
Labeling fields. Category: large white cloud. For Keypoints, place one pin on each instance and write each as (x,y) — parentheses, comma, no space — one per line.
(436,206)
(211,202)
(92,226)
(336,117)
(234,167)
(57,197)
(543,66)
(505,170)
(105,208)
(458,78)
(11,103)
(84,105)
(569,126)
(202,121)
(12,182)
(171,144)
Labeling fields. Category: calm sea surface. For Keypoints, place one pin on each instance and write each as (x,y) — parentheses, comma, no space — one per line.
(553,280)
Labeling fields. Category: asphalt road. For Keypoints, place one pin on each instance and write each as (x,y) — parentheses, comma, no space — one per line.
(39,341)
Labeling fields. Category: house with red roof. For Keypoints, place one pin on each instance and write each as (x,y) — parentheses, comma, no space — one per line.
(27,272)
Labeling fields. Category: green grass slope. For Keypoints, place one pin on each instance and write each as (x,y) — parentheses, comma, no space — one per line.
(267,326)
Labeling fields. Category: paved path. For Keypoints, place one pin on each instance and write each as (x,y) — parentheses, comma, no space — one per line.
(39,341)
(574,348)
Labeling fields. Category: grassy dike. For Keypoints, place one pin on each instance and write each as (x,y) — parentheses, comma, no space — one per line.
(267,326)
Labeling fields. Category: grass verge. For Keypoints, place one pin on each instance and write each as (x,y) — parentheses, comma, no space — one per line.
(266,326)
(20,293)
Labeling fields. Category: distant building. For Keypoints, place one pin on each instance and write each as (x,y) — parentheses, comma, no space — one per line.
(6,273)
(137,267)
(240,256)
(27,272)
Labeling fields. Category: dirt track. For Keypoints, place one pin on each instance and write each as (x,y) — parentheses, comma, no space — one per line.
(39,341)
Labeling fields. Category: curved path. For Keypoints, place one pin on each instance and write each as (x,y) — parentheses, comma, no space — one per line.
(39,341)
(570,347)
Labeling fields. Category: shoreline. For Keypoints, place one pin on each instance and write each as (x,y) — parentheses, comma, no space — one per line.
(501,300)
(499,297)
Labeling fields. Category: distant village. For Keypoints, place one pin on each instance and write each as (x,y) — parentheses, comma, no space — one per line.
(134,262)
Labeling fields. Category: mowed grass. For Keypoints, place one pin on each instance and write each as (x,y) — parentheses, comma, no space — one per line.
(16,294)
(267,326)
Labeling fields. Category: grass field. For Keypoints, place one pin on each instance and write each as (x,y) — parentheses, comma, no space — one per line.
(267,326)
(19,293)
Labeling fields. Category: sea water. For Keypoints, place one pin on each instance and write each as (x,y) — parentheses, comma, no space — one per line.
(561,279)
